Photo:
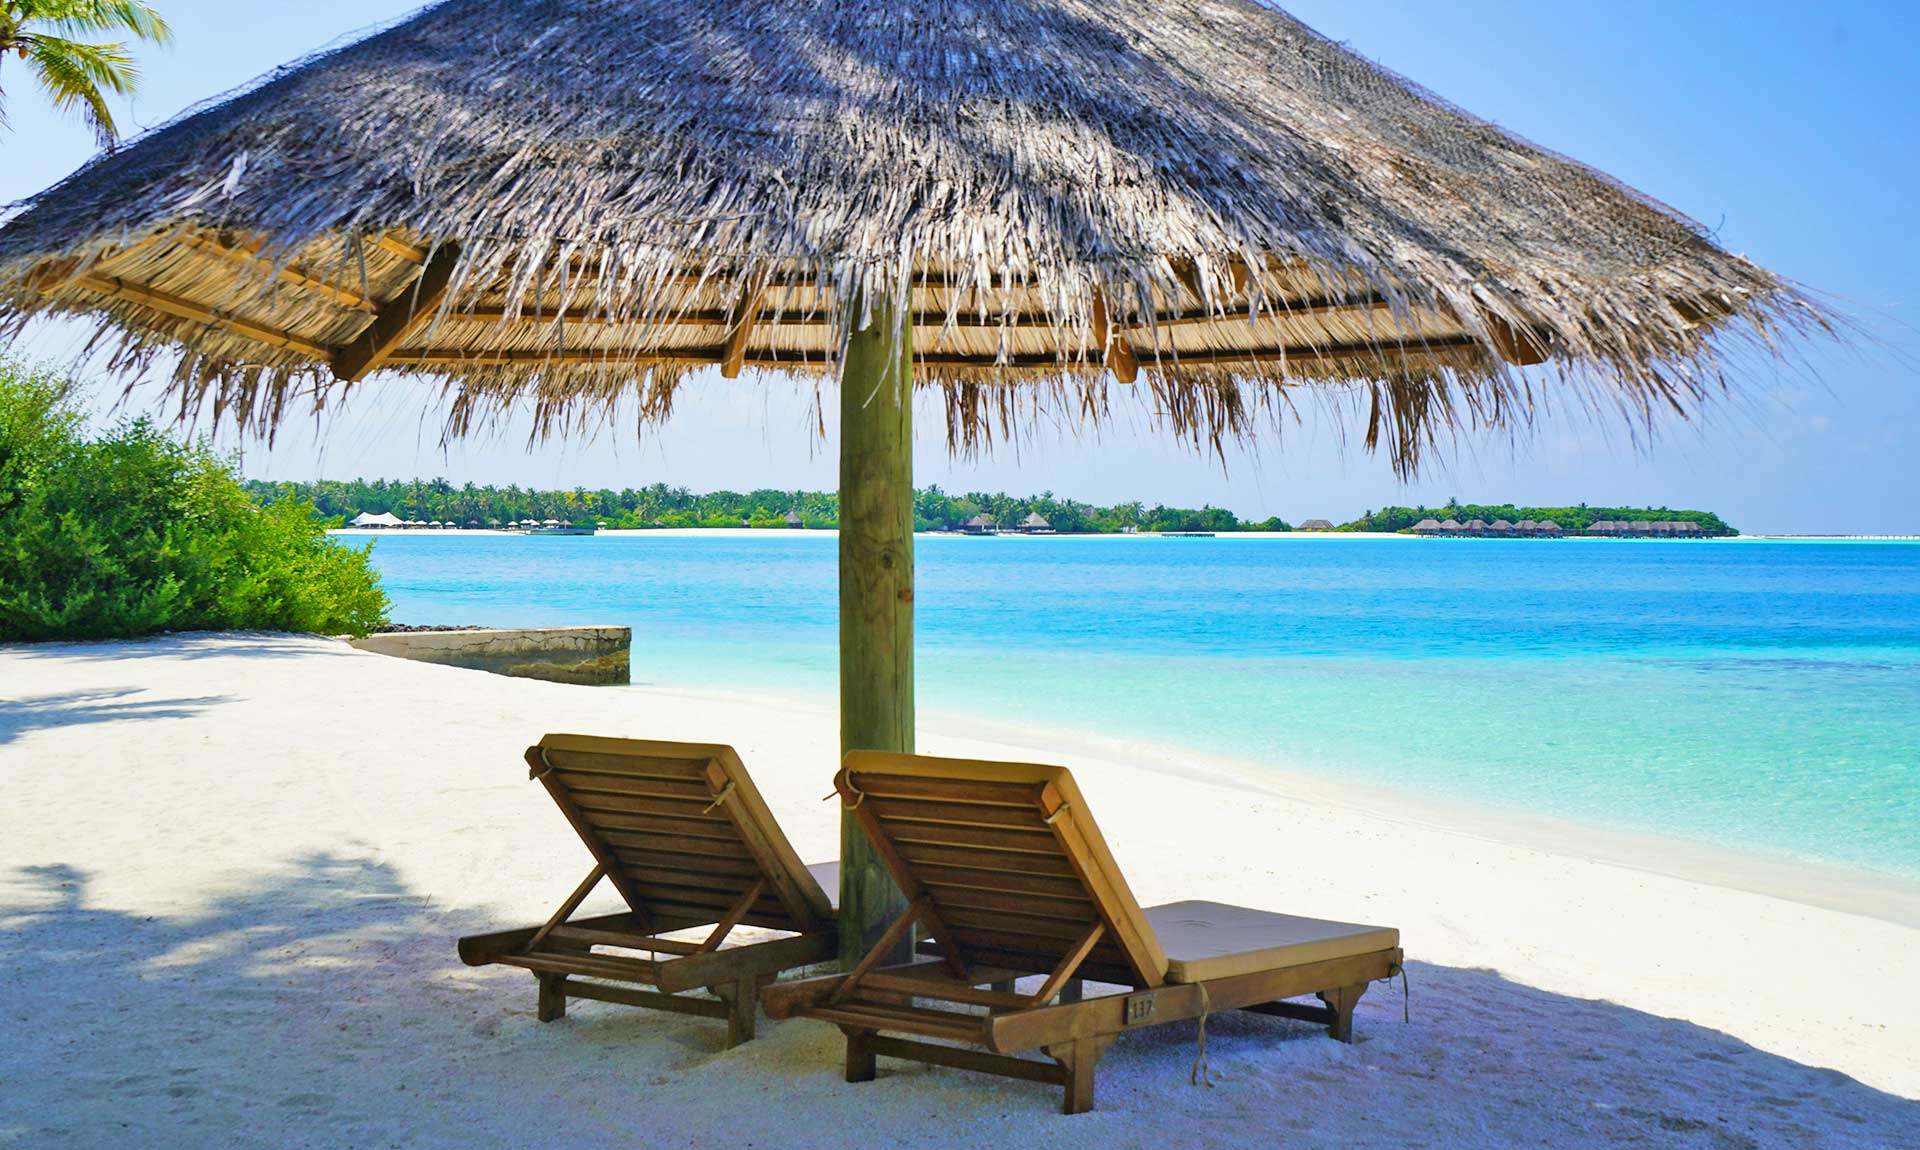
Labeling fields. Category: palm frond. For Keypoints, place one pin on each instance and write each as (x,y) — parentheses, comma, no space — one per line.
(74,73)
(84,18)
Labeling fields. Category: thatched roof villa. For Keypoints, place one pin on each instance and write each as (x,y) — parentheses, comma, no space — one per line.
(1316,525)
(979,525)
(793,518)
(1501,527)
(1548,527)
(1427,527)
(1476,527)
(1035,524)
(1451,525)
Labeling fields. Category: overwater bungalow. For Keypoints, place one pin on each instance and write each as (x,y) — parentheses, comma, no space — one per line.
(1501,527)
(1526,527)
(1316,525)
(1476,527)
(1451,527)
(1427,527)
(1548,528)
(1640,527)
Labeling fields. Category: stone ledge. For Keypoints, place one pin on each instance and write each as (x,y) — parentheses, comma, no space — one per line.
(588,655)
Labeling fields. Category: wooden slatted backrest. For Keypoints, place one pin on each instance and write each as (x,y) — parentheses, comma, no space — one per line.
(681,828)
(1008,856)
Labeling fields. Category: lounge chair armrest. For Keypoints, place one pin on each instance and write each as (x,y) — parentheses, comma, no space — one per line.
(791,999)
(756,958)
(481,949)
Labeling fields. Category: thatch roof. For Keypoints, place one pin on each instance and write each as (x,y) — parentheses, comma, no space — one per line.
(1036,521)
(1501,525)
(1452,525)
(578,204)
(1317,525)
(1427,525)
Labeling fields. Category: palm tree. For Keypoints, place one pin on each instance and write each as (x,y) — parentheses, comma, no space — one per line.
(78,75)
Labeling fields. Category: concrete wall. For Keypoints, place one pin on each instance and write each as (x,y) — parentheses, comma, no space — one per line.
(591,655)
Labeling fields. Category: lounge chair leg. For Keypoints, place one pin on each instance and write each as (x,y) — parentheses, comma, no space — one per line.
(552,1002)
(743,1001)
(1078,1058)
(1342,1001)
(860,1067)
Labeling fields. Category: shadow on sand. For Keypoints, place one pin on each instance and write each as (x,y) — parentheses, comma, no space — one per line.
(183,645)
(74,708)
(321,1004)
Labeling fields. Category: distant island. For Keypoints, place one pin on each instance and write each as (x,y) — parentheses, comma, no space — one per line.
(438,503)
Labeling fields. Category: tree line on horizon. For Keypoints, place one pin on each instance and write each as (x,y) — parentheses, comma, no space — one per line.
(1579,517)
(664,505)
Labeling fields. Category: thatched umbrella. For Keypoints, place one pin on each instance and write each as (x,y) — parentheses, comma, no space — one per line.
(576,206)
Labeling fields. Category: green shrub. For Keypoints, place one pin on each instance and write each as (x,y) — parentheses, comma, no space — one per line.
(132,532)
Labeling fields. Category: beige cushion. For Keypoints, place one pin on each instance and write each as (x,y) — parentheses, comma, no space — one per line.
(1208,940)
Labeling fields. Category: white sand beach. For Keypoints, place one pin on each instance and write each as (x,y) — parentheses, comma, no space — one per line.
(232,870)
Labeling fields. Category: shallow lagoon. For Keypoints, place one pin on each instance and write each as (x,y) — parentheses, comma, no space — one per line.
(1753,694)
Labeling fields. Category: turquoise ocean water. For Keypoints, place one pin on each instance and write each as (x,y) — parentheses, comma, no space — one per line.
(1755,694)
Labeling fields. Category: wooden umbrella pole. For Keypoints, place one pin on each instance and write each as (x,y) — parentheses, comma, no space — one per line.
(876,595)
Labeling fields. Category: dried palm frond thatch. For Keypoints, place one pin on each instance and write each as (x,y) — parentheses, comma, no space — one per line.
(578,203)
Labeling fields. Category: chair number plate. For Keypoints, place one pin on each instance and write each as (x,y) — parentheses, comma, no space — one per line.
(1139,1009)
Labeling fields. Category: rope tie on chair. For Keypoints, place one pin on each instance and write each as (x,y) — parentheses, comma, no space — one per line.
(546,767)
(1057,815)
(1200,1072)
(726,793)
(1406,992)
(859,796)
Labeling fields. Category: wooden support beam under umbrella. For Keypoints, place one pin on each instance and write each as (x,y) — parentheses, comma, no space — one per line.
(1033,206)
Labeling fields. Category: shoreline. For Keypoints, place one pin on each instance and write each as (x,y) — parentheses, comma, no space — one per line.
(221,844)
(1825,884)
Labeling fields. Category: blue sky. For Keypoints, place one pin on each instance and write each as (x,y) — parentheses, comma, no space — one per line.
(1788,128)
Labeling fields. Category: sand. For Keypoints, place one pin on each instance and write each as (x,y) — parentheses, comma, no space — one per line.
(232,869)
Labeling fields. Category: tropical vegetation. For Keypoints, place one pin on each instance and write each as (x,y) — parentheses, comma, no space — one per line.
(663,506)
(130,531)
(1571,519)
(56,41)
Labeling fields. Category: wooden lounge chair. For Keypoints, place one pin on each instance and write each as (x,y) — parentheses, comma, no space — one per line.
(1003,866)
(683,835)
